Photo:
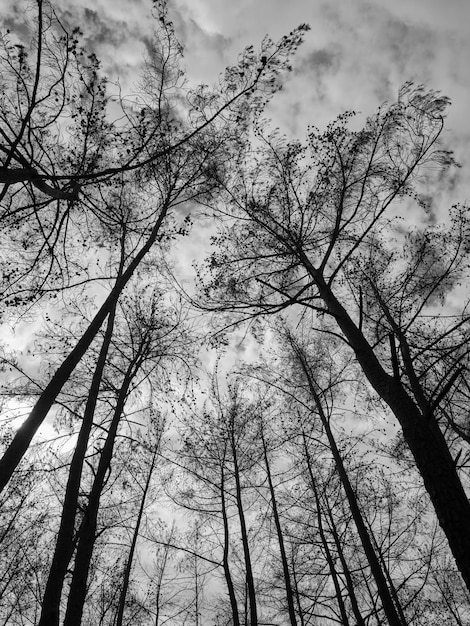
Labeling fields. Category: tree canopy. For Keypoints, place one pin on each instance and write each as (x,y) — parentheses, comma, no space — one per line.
(148,472)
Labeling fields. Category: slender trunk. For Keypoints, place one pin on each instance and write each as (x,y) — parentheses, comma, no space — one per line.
(87,533)
(246,548)
(65,539)
(196,582)
(280,537)
(245,605)
(161,573)
(135,536)
(25,433)
(385,596)
(329,557)
(420,431)
(346,571)
(297,594)
(225,561)
(393,589)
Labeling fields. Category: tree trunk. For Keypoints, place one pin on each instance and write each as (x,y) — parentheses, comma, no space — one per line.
(135,536)
(420,431)
(246,548)
(87,533)
(384,592)
(161,573)
(391,584)
(346,571)
(225,561)
(280,537)
(24,435)
(300,611)
(326,547)
(65,541)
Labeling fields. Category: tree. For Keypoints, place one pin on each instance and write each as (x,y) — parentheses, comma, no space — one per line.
(25,533)
(130,175)
(278,525)
(216,452)
(66,535)
(135,536)
(393,613)
(317,227)
(155,338)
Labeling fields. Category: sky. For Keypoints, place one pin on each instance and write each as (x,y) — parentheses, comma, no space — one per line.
(356,55)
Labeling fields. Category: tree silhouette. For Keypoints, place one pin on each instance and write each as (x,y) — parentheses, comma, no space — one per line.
(133,175)
(317,226)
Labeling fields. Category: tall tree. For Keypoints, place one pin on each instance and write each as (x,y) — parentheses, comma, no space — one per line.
(218,451)
(135,535)
(66,536)
(154,339)
(155,156)
(317,226)
(394,615)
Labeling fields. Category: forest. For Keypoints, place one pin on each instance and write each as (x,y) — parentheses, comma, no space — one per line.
(278,435)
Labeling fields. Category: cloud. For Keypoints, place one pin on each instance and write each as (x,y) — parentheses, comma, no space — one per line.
(356,56)
(205,51)
(319,66)
(115,31)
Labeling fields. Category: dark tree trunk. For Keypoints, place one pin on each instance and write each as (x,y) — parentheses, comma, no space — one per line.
(420,431)
(87,532)
(161,573)
(346,571)
(300,611)
(326,547)
(135,536)
(65,538)
(225,561)
(246,548)
(280,537)
(385,596)
(26,432)
(391,584)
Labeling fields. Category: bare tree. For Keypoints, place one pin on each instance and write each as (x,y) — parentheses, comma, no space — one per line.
(132,174)
(315,226)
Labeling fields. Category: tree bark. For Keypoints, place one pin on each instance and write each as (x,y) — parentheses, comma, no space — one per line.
(346,571)
(225,561)
(326,547)
(246,548)
(372,558)
(280,536)
(135,536)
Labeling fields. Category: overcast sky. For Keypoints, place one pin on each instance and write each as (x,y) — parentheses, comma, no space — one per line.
(356,55)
